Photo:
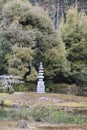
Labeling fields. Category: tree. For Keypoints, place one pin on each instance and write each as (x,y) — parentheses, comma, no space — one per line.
(19,63)
(28,27)
(58,67)
(56,14)
(32,35)
(74,34)
(5,49)
(74,29)
(2,2)
(78,58)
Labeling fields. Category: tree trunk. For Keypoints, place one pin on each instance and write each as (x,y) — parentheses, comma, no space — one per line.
(46,5)
(56,14)
(36,2)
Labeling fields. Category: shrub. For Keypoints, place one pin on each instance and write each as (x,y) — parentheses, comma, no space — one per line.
(8,103)
(39,113)
(76,120)
(59,117)
(6,114)
(3,90)
(51,115)
(49,86)
(20,88)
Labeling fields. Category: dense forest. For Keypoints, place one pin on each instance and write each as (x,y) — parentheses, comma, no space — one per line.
(51,31)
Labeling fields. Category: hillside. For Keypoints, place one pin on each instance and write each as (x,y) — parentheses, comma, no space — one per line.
(72,104)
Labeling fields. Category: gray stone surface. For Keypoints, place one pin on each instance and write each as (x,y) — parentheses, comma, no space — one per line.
(40,83)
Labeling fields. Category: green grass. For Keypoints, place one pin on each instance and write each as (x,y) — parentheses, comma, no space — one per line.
(7,113)
(55,104)
(41,114)
(51,115)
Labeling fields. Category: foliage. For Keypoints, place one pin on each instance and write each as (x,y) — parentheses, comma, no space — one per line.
(50,116)
(19,62)
(27,33)
(8,103)
(64,5)
(74,29)
(6,114)
(3,90)
(2,2)
(58,66)
(24,27)
(74,35)
(5,49)
(41,113)
(44,110)
(31,33)
(50,87)
(20,88)
(77,55)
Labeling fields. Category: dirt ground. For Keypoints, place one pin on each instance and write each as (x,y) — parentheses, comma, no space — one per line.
(12,125)
(59,101)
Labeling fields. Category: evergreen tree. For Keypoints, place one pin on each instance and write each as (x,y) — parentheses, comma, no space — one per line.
(30,28)
(74,34)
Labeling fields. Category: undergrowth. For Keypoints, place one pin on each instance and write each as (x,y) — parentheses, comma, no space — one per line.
(45,114)
(41,114)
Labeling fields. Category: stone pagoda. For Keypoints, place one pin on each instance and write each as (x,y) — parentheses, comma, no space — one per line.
(40,83)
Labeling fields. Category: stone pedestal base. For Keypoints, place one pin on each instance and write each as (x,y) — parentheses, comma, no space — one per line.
(40,87)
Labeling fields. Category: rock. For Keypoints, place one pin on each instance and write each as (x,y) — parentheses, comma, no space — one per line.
(22,124)
(43,98)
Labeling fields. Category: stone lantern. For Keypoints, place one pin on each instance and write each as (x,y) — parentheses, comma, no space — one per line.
(40,83)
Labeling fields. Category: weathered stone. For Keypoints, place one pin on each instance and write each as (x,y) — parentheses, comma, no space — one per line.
(40,84)
(22,124)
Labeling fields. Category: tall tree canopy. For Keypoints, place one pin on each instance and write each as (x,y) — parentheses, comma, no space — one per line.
(27,33)
(74,34)
(32,36)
